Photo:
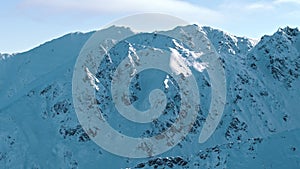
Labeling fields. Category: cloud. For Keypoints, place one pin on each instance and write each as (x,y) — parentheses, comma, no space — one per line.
(176,7)
(259,6)
(231,15)
(287,1)
(243,7)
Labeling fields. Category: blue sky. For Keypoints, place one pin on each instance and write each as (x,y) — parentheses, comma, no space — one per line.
(27,23)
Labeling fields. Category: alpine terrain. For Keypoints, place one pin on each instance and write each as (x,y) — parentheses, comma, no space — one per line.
(260,126)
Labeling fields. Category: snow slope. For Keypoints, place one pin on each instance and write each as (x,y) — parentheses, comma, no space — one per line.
(259,129)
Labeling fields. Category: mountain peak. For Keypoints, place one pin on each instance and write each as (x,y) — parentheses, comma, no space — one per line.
(289,31)
(226,43)
(288,36)
(282,35)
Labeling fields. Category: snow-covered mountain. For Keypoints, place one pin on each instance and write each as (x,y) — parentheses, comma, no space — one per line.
(259,129)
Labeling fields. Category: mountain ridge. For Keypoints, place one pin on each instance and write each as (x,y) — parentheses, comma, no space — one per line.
(40,127)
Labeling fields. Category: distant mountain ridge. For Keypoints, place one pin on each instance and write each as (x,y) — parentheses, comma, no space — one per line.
(259,129)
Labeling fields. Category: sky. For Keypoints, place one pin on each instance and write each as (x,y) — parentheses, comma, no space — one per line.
(26,24)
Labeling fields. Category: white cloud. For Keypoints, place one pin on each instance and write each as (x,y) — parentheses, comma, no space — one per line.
(175,7)
(244,7)
(259,6)
(287,1)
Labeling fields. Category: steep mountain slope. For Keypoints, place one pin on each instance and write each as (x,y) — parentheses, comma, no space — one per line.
(259,127)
